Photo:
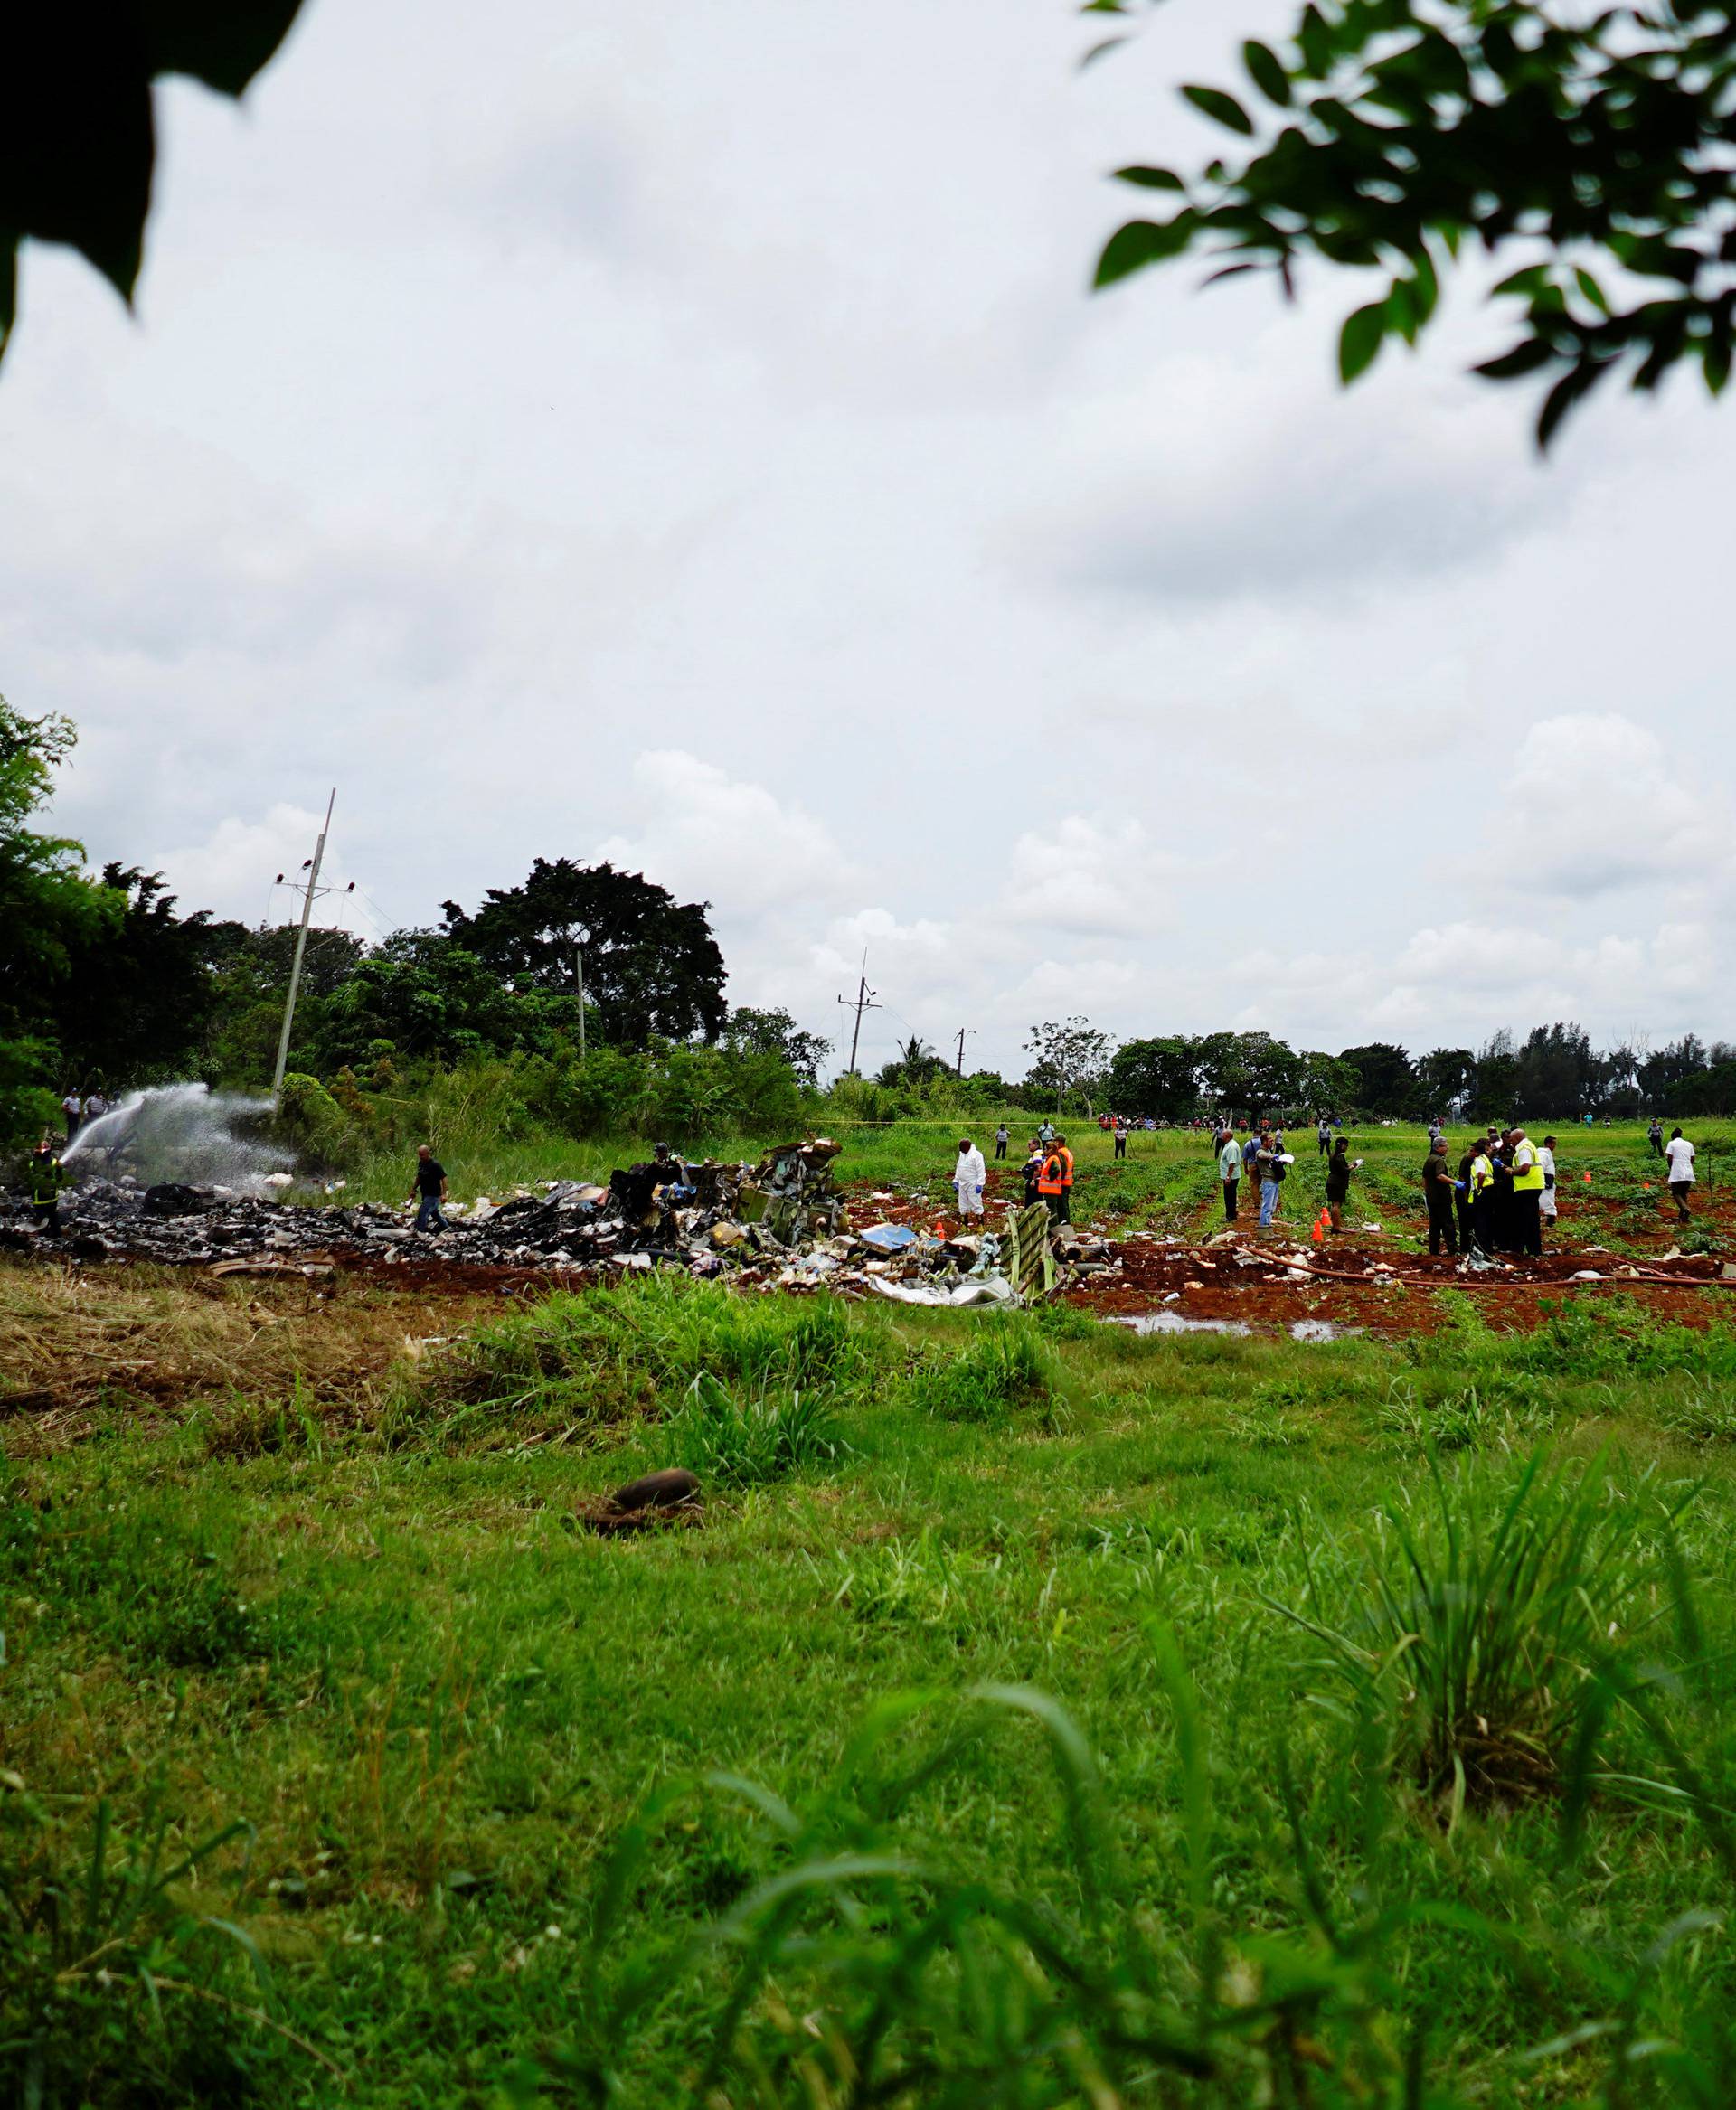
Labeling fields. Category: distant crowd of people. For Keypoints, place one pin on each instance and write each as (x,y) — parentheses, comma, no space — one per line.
(1498,1198)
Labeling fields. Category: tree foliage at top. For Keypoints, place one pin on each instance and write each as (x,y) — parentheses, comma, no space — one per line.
(774,1031)
(915,1064)
(1588,145)
(78,128)
(1386,1079)
(652,968)
(1071,1056)
(138,996)
(50,913)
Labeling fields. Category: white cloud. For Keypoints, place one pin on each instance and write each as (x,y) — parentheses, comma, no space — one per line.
(234,870)
(705,834)
(1592,803)
(1090,878)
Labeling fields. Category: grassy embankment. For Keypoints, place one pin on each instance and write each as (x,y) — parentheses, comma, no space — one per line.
(351,1609)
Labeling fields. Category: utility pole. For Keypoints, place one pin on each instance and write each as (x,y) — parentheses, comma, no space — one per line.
(962,1031)
(864,999)
(313,863)
(579,978)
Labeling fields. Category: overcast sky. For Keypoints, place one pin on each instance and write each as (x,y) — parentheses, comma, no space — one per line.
(686,436)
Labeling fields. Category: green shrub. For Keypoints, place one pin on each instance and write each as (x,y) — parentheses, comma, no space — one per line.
(310,1120)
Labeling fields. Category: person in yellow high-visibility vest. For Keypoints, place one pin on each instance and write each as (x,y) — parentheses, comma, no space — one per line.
(1482,1194)
(1066,1157)
(1527,1168)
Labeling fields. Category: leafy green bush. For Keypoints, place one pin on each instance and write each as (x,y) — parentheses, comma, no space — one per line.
(310,1120)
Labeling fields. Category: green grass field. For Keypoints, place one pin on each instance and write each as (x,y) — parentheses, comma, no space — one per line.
(1040,1716)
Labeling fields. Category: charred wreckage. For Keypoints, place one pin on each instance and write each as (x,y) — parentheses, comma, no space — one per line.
(780,1222)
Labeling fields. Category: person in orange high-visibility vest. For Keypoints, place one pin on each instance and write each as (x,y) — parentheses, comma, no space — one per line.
(1066,1157)
(1052,1184)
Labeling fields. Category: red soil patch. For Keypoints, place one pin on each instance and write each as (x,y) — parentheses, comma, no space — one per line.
(1263,1293)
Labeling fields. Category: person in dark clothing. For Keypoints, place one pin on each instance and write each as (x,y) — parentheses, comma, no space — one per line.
(1655,1137)
(1483,1225)
(1438,1193)
(1001,1141)
(1462,1197)
(1338,1181)
(1323,1135)
(1503,1225)
(428,1190)
(1120,1137)
(671,1170)
(1033,1174)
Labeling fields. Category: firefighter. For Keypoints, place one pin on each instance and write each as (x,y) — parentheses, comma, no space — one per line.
(47,1177)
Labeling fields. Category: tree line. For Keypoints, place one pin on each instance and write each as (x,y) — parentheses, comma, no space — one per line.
(103,980)
(1552,1072)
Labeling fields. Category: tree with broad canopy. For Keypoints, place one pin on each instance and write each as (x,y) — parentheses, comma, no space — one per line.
(1588,145)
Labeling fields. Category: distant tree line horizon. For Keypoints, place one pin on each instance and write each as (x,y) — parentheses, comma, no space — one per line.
(102,980)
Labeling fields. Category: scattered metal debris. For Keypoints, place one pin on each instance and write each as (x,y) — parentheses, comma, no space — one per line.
(780,1223)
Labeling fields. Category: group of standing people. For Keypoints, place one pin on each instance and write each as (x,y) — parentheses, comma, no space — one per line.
(1262,1158)
(79,1111)
(1498,1199)
(1047,1174)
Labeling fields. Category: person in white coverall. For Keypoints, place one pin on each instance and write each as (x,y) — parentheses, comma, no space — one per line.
(967,1177)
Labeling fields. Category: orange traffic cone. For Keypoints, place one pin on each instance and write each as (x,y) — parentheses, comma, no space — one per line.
(1586,1177)
(940,1228)
(1319,1236)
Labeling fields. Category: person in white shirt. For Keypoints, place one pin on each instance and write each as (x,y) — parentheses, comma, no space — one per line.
(968,1176)
(1546,1205)
(1679,1151)
(1230,1173)
(96,1106)
(72,1105)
